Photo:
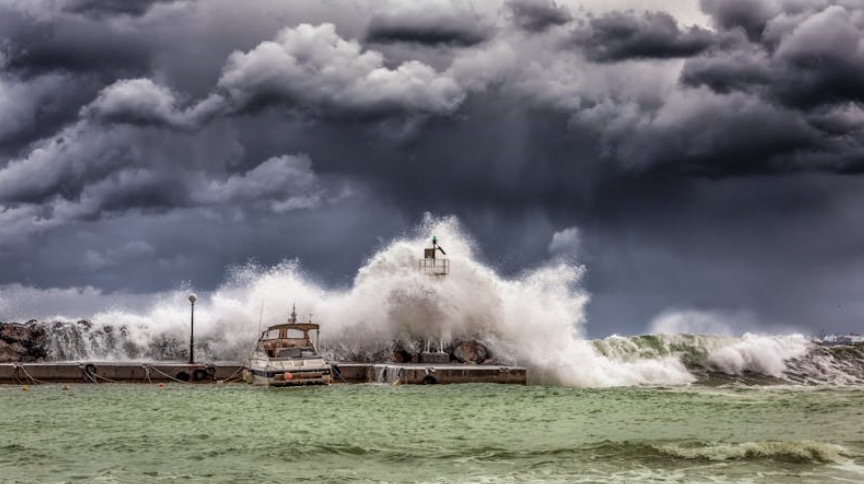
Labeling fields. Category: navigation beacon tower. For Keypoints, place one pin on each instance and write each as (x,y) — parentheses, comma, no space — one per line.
(431,264)
(437,267)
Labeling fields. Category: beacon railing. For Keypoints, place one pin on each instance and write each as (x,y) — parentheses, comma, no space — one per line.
(435,267)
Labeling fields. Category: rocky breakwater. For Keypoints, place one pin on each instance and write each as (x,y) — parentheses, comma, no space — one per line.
(37,341)
(469,351)
(27,342)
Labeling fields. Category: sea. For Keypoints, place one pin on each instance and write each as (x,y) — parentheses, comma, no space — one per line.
(483,433)
(701,396)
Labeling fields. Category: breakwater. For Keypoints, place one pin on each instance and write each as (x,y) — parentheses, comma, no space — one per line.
(165,372)
(118,372)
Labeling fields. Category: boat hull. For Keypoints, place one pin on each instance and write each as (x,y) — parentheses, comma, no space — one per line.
(283,378)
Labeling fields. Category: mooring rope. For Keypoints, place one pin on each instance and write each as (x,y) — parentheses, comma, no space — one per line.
(168,376)
(88,375)
(96,375)
(238,370)
(17,373)
(32,380)
(338,372)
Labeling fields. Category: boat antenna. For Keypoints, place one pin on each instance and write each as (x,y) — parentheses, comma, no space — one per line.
(293,314)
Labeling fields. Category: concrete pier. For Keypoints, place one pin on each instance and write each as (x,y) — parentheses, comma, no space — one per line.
(120,372)
(165,372)
(427,374)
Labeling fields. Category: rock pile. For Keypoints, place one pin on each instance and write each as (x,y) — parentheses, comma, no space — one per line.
(459,351)
(23,342)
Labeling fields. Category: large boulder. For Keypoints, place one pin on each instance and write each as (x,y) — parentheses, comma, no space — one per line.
(401,355)
(11,353)
(470,351)
(14,332)
(23,342)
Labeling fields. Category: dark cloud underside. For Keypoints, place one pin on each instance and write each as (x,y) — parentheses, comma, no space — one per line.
(649,35)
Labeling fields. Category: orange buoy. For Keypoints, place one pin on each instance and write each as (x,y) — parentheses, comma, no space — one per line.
(288,376)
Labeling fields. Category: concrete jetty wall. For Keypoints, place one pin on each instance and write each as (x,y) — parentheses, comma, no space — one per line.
(164,372)
(121,372)
(419,374)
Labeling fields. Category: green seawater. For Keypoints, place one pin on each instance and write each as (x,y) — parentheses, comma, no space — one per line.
(457,433)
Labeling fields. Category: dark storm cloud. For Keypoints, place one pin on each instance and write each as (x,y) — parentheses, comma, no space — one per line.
(538,15)
(428,23)
(649,35)
(38,107)
(749,15)
(724,71)
(313,67)
(72,44)
(307,69)
(137,102)
(813,61)
(457,31)
(102,8)
(193,135)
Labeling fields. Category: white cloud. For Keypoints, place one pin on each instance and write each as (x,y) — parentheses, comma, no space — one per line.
(284,183)
(137,101)
(566,242)
(76,153)
(312,66)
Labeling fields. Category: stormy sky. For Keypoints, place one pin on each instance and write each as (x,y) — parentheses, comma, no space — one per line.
(694,155)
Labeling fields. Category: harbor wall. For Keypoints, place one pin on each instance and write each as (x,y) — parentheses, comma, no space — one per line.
(120,372)
(165,372)
(420,374)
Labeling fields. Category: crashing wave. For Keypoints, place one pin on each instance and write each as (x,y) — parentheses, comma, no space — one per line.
(535,320)
(786,451)
(749,358)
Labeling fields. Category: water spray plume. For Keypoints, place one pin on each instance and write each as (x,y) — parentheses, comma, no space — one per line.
(535,319)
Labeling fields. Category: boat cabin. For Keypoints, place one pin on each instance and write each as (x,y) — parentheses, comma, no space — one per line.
(290,340)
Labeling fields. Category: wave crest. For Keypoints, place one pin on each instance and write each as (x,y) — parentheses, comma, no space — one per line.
(787,451)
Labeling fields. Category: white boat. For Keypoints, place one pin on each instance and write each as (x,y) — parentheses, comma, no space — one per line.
(285,356)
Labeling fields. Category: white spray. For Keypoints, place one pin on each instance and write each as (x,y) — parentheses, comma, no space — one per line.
(535,319)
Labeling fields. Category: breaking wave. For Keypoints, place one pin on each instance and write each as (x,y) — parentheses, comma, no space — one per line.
(535,320)
(755,359)
(801,452)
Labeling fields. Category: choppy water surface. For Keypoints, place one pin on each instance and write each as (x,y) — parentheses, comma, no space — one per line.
(464,433)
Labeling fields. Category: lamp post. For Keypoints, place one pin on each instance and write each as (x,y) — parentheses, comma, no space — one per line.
(192,298)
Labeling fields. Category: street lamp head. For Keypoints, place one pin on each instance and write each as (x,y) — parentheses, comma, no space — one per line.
(192,298)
